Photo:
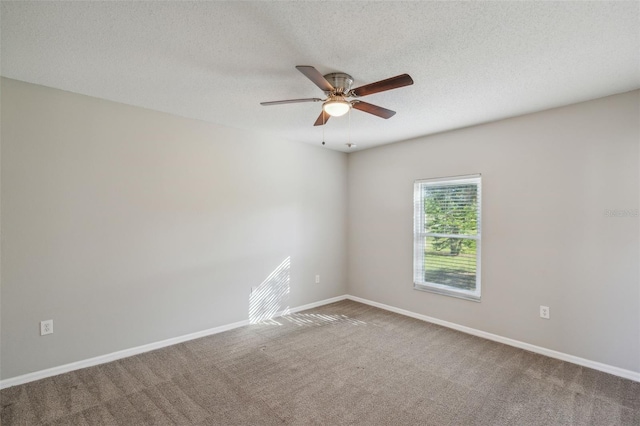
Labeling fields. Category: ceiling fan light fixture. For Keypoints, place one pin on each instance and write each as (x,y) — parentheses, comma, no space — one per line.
(336,107)
(337,87)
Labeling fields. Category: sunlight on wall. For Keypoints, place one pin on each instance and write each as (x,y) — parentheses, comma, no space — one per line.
(269,298)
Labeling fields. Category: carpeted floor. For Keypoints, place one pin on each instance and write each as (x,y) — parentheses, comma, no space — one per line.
(344,363)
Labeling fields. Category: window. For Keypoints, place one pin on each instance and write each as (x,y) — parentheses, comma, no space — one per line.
(446,236)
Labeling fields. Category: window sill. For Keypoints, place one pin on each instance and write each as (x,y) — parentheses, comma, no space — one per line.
(447,292)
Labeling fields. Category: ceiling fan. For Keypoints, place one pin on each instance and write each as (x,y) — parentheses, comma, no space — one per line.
(337,88)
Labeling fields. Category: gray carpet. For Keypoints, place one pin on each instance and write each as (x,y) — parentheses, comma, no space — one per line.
(344,363)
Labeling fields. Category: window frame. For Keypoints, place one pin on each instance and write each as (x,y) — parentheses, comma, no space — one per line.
(419,234)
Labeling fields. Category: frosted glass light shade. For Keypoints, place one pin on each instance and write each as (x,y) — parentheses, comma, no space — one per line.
(336,108)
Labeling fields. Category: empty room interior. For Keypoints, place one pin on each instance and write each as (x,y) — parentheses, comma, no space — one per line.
(372,213)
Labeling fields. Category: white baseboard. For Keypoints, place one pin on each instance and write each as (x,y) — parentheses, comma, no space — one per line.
(616,371)
(37,375)
(54,371)
(312,305)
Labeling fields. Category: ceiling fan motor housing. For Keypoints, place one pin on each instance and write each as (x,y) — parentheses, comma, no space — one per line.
(340,81)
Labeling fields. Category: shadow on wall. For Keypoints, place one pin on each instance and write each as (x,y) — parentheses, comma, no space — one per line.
(270,298)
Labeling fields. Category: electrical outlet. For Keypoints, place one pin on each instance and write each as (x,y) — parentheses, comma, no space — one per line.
(317,279)
(544,312)
(46,327)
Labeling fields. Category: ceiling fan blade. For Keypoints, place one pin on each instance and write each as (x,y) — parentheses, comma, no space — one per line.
(291,101)
(373,109)
(314,75)
(383,85)
(322,119)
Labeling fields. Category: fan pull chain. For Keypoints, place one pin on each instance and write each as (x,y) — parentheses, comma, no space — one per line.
(349,131)
(323,123)
(349,144)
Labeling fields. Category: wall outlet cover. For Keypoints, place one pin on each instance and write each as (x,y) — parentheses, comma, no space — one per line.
(46,327)
(544,312)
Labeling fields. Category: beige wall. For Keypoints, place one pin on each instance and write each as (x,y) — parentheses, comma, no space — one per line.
(547,179)
(128,226)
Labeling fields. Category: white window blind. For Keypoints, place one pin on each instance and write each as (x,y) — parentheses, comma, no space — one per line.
(447,236)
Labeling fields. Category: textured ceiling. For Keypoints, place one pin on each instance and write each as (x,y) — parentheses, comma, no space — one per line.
(472,62)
